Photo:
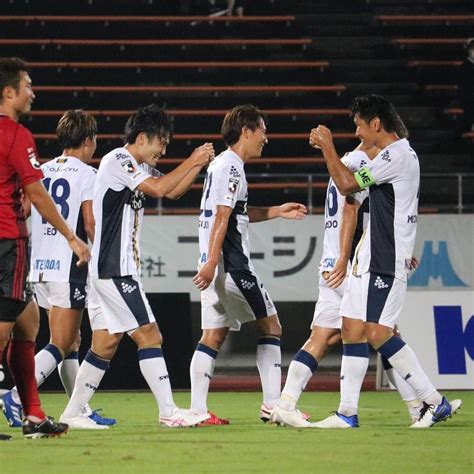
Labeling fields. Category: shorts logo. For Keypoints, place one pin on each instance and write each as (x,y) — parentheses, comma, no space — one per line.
(247,285)
(126,288)
(78,295)
(380,284)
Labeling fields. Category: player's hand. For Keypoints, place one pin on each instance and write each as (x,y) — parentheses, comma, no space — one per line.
(293,210)
(337,274)
(203,154)
(204,276)
(320,137)
(413,265)
(81,249)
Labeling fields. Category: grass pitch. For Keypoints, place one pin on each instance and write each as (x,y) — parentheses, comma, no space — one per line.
(383,444)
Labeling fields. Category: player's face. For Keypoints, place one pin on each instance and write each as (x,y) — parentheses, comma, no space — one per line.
(153,149)
(364,132)
(258,139)
(24,97)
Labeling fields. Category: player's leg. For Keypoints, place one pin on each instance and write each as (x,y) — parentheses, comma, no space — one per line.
(153,368)
(247,300)
(90,374)
(408,395)
(215,324)
(64,323)
(355,355)
(381,319)
(202,369)
(69,366)
(325,331)
(9,311)
(269,362)
(402,358)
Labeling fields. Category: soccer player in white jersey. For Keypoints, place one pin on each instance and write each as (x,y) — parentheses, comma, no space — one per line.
(59,284)
(123,179)
(377,284)
(231,292)
(343,215)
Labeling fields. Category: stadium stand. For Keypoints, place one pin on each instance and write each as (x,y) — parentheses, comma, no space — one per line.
(298,66)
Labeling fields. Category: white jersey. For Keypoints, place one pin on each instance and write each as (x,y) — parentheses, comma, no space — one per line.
(70,182)
(226,185)
(118,212)
(333,212)
(387,244)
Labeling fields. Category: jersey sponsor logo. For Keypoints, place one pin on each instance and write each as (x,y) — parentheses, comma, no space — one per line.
(58,169)
(386,156)
(233,183)
(137,200)
(128,167)
(331,225)
(47,264)
(32,157)
(127,288)
(380,284)
(328,263)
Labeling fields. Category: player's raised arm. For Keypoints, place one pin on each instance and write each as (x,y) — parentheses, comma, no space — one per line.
(289,210)
(207,152)
(344,179)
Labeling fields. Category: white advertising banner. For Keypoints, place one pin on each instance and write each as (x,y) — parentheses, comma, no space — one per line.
(286,254)
(439,327)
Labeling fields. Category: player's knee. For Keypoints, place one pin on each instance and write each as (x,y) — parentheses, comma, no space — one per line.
(213,338)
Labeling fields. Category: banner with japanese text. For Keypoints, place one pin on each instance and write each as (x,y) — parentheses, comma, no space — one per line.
(286,254)
(439,326)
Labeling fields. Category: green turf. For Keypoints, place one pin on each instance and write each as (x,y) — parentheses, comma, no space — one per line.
(383,444)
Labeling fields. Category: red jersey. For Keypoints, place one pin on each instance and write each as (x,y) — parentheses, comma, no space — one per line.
(18,167)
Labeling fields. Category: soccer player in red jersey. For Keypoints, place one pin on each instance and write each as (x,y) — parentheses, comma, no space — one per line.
(20,173)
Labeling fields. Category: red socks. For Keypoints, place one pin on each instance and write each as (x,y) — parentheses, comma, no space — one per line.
(21,360)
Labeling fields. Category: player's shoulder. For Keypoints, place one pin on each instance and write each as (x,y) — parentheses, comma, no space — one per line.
(355,160)
(230,163)
(15,130)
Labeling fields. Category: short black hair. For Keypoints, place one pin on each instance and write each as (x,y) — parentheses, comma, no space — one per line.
(74,127)
(10,69)
(368,107)
(151,120)
(246,115)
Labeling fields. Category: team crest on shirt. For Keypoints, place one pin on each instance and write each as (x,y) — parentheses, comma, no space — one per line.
(233,183)
(128,167)
(32,158)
